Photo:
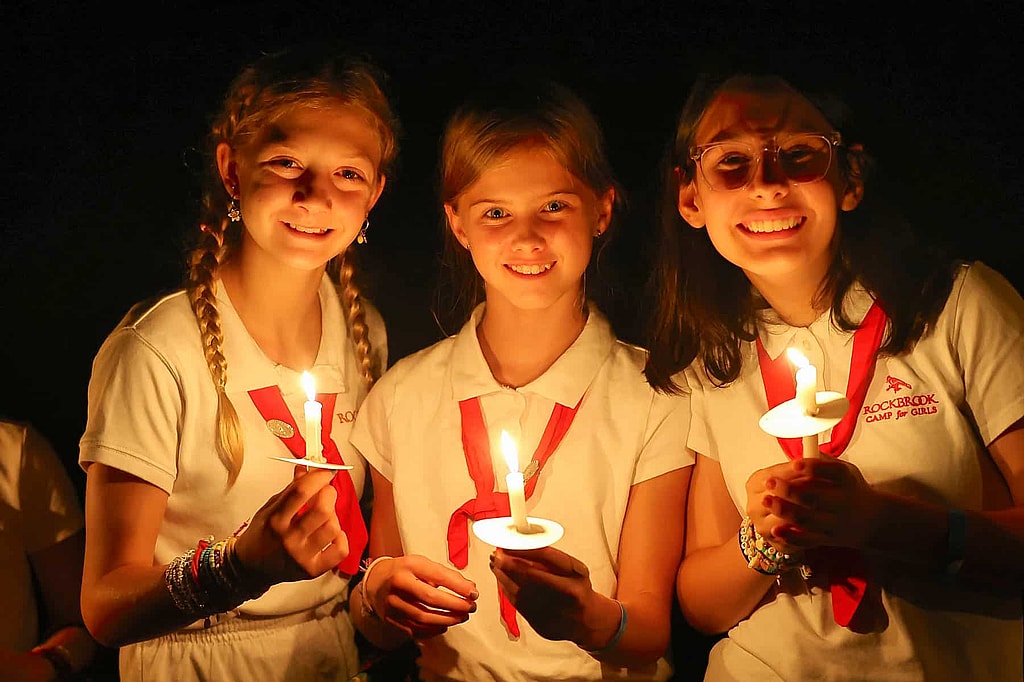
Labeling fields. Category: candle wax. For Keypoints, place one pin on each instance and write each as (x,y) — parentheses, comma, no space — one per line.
(517,501)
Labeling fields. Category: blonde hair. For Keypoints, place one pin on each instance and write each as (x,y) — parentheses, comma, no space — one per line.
(275,85)
(488,127)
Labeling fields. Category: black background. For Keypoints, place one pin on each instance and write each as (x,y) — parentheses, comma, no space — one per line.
(103,109)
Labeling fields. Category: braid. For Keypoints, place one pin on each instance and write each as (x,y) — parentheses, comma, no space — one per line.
(355,314)
(205,259)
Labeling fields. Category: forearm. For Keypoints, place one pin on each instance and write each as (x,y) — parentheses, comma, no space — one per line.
(918,533)
(131,604)
(716,589)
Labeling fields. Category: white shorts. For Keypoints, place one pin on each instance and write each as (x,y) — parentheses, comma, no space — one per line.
(313,645)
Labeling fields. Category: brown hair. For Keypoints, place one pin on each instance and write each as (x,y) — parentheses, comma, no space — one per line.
(705,309)
(265,90)
(491,124)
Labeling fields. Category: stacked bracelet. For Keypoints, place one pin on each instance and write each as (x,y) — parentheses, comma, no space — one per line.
(623,619)
(366,608)
(208,579)
(760,554)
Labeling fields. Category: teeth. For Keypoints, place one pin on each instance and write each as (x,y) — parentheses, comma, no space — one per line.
(530,269)
(772,225)
(309,230)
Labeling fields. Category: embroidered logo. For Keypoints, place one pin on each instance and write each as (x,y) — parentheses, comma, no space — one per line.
(894,409)
(896,385)
(348,416)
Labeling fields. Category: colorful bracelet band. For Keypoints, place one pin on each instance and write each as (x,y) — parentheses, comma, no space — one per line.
(761,556)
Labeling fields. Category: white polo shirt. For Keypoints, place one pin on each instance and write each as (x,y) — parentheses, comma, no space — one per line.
(152,413)
(922,433)
(38,509)
(623,433)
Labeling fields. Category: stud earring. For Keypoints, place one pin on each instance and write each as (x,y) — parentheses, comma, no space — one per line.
(361,237)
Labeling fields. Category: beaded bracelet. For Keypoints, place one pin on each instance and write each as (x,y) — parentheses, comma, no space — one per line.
(623,619)
(208,580)
(365,607)
(760,554)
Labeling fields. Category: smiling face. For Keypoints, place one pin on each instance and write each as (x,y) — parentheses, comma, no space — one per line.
(775,230)
(529,225)
(305,184)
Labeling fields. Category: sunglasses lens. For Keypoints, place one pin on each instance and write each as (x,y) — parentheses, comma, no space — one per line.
(731,165)
(805,158)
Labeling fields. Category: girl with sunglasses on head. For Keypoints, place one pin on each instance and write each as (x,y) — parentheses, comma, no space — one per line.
(895,553)
(528,196)
(194,397)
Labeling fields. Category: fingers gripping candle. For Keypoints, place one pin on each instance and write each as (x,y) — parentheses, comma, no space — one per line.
(515,483)
(312,409)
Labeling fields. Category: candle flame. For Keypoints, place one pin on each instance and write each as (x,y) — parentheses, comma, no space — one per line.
(509,451)
(309,386)
(796,357)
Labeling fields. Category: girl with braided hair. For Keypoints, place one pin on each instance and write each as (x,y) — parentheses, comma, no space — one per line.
(206,558)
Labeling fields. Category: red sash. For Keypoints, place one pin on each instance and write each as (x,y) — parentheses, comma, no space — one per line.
(271,405)
(489,503)
(843,565)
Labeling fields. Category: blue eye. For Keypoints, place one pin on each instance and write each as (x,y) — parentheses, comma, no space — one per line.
(495,213)
(554,206)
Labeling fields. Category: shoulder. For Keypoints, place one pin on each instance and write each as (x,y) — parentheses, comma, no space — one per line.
(423,365)
(977,286)
(163,325)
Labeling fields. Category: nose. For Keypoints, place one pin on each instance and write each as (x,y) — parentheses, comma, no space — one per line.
(313,192)
(769,179)
(527,234)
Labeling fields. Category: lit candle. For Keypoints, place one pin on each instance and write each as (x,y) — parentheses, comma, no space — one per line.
(806,382)
(515,483)
(806,396)
(312,409)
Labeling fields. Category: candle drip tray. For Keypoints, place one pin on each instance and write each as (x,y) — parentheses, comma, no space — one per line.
(787,420)
(501,532)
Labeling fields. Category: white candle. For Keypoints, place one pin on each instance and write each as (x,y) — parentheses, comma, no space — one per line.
(806,383)
(515,483)
(312,409)
(806,396)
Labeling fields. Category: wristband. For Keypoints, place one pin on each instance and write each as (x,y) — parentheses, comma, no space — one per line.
(60,659)
(956,544)
(623,618)
(365,607)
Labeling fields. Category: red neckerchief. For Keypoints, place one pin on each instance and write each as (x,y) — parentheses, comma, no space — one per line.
(271,405)
(843,565)
(488,503)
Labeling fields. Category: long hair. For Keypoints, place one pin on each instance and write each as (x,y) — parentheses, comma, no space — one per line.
(487,127)
(263,92)
(705,308)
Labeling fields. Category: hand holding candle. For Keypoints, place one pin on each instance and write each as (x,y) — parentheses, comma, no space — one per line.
(312,409)
(515,483)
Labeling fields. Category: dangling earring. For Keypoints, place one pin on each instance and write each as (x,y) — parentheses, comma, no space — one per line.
(361,237)
(234,214)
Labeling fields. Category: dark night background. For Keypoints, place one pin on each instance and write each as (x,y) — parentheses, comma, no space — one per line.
(104,110)
(104,107)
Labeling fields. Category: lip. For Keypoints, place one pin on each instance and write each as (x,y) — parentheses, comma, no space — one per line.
(530,269)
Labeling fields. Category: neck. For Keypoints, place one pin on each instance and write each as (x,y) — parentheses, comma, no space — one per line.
(280,309)
(793,298)
(520,345)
